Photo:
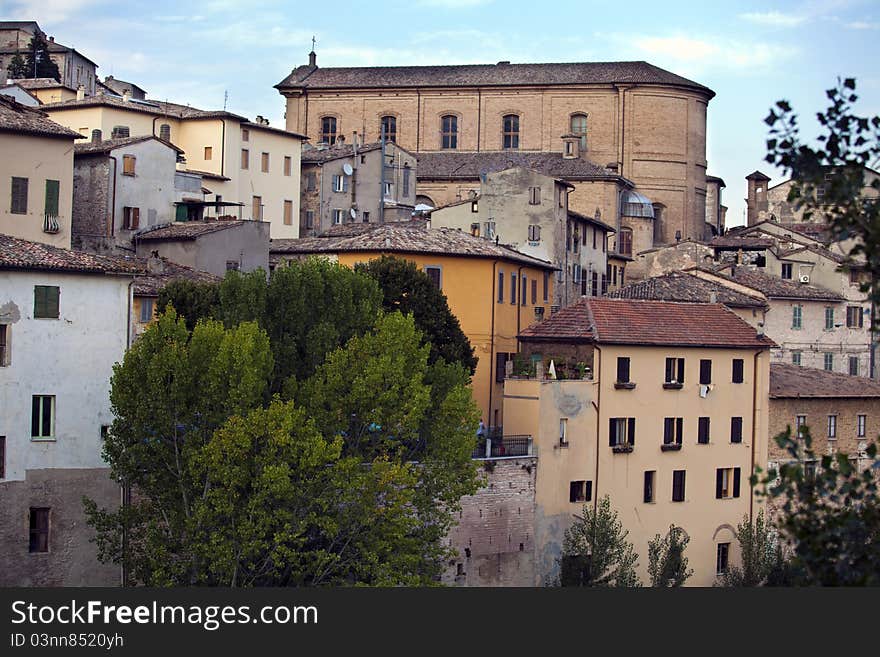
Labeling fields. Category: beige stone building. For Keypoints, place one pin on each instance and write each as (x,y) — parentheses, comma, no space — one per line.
(661,406)
(36,184)
(243,162)
(631,118)
(356,183)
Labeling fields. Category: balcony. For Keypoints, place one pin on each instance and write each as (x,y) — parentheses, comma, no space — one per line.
(503,447)
(622,448)
(670,447)
(51,224)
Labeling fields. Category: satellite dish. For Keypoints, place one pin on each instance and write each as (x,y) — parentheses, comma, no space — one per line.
(352,212)
(346,169)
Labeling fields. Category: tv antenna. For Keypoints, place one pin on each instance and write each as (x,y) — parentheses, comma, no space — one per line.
(225,98)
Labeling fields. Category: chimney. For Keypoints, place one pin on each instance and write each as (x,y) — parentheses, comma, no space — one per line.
(340,140)
(96,136)
(155,264)
(126,95)
(713,297)
(51,39)
(313,59)
(80,92)
(571,147)
(504,63)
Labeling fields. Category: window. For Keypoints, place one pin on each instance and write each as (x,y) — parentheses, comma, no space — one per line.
(387,189)
(800,422)
(534,291)
(722,558)
(578,126)
(860,425)
(501,286)
(39,530)
(264,162)
(2,457)
(19,196)
(832,427)
(510,132)
(366,217)
(513,287)
(797,313)
(625,242)
(737,375)
(434,274)
(146,310)
(546,287)
(4,345)
(43,417)
(388,128)
(787,270)
(490,229)
(245,158)
(501,366)
(854,277)
(595,284)
(623,369)
(678,485)
(288,213)
(795,358)
(46,301)
(622,431)
(340,183)
(51,202)
(245,134)
(209,153)
(563,431)
(674,372)
(705,372)
(131,218)
(407,172)
(727,483)
(338,216)
(854,365)
(449,132)
(328,130)
(534,196)
(257,208)
(580,491)
(829,319)
(854,317)
(828,362)
(311,181)
(233,265)
(128,165)
(604,285)
(703,431)
(650,480)
(595,234)
(673,429)
(120,131)
(523,288)
(736,429)
(287,165)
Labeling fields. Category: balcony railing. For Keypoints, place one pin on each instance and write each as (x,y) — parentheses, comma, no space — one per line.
(504,447)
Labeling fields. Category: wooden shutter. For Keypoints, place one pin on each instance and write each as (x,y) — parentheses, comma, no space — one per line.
(19,196)
(667,430)
(670,367)
(135,218)
(288,213)
(612,439)
(680,360)
(679,429)
(737,370)
(736,473)
(623,370)
(736,426)
(703,431)
(719,483)
(649,488)
(588,495)
(46,301)
(52,193)
(631,430)
(705,372)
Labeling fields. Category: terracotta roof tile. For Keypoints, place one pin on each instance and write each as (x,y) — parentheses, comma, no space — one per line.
(774,287)
(17,253)
(15,117)
(445,165)
(788,380)
(681,286)
(321,155)
(107,145)
(185,230)
(640,322)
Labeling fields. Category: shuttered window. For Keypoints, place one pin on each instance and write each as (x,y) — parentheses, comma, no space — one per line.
(52,194)
(19,196)
(703,431)
(128,165)
(46,301)
(287,165)
(737,370)
(131,218)
(678,485)
(736,429)
(43,416)
(705,372)
(727,483)
(39,530)
(288,213)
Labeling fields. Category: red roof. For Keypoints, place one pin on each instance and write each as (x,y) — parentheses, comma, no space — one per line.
(640,322)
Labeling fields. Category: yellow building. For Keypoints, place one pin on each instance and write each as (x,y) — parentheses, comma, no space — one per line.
(494,291)
(661,406)
(241,161)
(36,183)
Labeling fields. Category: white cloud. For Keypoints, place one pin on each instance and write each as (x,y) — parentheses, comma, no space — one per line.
(863,25)
(774,18)
(57,11)
(454,4)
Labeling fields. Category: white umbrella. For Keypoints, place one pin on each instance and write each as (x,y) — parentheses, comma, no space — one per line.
(552,370)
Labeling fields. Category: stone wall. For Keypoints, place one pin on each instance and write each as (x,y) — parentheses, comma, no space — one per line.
(90,230)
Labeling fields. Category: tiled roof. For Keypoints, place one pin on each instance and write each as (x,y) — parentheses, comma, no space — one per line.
(744,242)
(15,117)
(502,74)
(774,287)
(403,237)
(681,286)
(447,165)
(640,322)
(38,83)
(17,253)
(818,232)
(592,220)
(787,381)
(107,145)
(185,230)
(207,174)
(156,277)
(814,248)
(335,152)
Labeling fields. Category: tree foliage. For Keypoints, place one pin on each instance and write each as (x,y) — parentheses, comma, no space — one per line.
(191,300)
(667,565)
(761,553)
(38,63)
(17,68)
(407,289)
(596,552)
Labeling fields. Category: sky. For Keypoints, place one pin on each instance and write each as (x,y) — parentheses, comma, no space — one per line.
(751,54)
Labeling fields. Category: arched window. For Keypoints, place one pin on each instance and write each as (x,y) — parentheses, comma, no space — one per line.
(579,127)
(625,242)
(510,132)
(449,131)
(388,127)
(165,132)
(328,130)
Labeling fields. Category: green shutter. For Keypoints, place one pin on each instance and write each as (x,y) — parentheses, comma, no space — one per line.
(19,196)
(52,191)
(46,301)
(182,214)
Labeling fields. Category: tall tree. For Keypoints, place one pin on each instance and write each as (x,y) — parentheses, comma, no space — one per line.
(760,550)
(38,62)
(667,565)
(596,552)
(409,290)
(191,300)
(17,68)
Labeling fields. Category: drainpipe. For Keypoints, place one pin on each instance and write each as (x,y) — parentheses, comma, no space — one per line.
(113,202)
(518,302)
(596,377)
(754,431)
(125,489)
(492,343)
(222,148)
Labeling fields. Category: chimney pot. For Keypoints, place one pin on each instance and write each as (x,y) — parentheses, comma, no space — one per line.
(80,92)
(126,95)
(96,136)
(313,59)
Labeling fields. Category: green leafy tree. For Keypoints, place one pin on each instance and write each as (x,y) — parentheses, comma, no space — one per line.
(38,63)
(17,68)
(242,297)
(667,565)
(762,554)
(191,300)
(596,552)
(409,290)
